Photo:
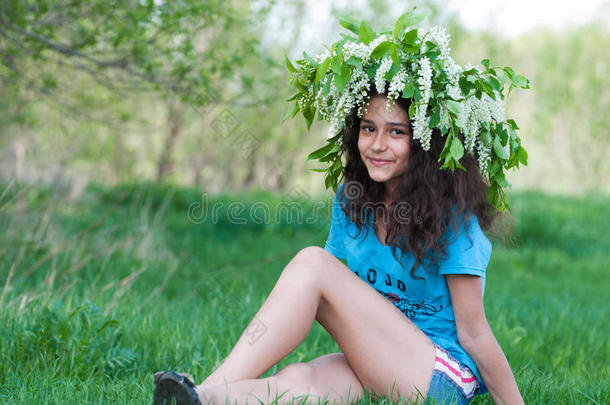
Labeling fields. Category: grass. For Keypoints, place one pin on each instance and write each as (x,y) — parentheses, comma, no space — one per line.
(98,293)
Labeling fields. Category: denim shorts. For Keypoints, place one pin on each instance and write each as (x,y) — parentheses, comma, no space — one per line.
(443,391)
(451,382)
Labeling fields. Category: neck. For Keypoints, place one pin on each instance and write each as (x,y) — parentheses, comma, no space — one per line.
(391,191)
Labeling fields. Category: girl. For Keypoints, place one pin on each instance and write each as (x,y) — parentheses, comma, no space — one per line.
(420,334)
(399,283)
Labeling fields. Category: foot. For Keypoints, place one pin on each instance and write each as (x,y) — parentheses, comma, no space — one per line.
(175,386)
(185,375)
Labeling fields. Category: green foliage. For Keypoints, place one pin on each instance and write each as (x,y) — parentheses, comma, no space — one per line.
(366,33)
(82,322)
(406,20)
(169,46)
(58,117)
(80,343)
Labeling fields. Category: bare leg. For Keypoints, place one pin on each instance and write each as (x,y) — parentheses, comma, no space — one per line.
(253,391)
(383,349)
(279,326)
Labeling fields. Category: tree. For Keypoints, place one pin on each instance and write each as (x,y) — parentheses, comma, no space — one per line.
(183,50)
(177,45)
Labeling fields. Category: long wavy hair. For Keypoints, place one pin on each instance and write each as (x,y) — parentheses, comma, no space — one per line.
(430,201)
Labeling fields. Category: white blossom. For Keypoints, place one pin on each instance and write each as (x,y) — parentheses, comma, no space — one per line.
(480,109)
(421,34)
(396,86)
(384,67)
(421,119)
(335,128)
(420,127)
(336,107)
(466,118)
(455,92)
(439,36)
(484,155)
(326,103)
(305,98)
(453,71)
(496,107)
(425,79)
(322,56)
(359,50)
(358,87)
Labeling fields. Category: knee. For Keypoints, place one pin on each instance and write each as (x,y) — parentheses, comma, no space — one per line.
(311,266)
(296,374)
(311,252)
(314,255)
(309,261)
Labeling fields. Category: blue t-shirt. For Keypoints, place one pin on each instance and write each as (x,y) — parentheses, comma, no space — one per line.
(427,301)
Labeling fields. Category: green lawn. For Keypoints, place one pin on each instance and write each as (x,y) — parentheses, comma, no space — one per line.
(99,292)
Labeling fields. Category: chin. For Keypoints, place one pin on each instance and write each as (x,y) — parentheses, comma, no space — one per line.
(378,179)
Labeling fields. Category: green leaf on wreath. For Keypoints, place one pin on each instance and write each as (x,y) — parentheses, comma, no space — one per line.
(366,33)
(289,65)
(457,149)
(350,24)
(323,151)
(522,155)
(452,106)
(499,149)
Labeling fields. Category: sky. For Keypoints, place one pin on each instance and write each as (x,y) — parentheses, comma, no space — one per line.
(515,17)
(509,18)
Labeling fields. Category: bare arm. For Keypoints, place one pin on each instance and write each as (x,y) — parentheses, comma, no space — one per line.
(478,340)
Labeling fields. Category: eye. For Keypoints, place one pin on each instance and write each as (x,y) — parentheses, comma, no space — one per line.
(364,127)
(399,132)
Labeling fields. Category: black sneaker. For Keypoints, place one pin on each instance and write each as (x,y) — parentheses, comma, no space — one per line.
(174,388)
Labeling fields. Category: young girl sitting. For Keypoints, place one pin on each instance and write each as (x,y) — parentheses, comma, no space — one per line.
(399,284)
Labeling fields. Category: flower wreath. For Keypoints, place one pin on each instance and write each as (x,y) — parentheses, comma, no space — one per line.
(417,66)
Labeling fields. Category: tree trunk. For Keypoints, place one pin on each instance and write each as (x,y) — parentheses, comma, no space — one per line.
(165,165)
(251,172)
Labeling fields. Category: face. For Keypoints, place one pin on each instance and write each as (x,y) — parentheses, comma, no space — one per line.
(383,142)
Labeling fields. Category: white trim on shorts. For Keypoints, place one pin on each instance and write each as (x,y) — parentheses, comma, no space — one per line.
(462,376)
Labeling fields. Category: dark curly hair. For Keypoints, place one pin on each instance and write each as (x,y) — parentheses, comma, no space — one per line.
(428,192)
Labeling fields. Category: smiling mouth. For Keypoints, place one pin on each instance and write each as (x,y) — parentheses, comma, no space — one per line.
(379,162)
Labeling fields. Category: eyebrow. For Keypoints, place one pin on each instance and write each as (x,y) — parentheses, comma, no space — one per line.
(389,124)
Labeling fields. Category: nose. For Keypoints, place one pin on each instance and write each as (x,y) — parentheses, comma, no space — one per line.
(380,142)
